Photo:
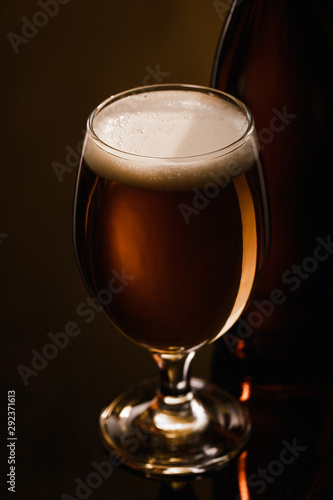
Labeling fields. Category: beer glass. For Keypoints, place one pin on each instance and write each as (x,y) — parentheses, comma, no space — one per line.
(170,230)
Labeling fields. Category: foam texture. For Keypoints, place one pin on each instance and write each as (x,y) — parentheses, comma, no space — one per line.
(170,139)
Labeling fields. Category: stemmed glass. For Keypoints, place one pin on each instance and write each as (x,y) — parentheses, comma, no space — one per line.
(170,230)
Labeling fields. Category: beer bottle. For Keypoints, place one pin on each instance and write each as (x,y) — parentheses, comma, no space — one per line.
(277,57)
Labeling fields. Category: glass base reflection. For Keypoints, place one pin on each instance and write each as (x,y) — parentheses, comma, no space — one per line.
(141,434)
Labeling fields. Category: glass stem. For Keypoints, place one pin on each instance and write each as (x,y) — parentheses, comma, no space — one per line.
(175,388)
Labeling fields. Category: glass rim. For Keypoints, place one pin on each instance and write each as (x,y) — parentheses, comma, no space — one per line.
(163,87)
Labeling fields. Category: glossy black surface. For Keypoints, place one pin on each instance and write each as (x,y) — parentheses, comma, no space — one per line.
(289,455)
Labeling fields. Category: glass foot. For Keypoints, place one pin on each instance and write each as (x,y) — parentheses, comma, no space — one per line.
(206,429)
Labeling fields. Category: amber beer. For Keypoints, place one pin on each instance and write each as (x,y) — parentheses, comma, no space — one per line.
(163,201)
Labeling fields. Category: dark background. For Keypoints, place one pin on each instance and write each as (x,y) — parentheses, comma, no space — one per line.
(86,52)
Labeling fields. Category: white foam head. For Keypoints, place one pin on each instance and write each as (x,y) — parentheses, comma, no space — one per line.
(170,138)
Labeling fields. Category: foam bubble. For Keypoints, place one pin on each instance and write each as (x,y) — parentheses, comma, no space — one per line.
(169,139)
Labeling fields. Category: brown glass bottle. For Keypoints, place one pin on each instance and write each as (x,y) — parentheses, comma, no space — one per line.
(277,57)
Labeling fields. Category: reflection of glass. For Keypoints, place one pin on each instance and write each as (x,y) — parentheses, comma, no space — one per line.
(170,219)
